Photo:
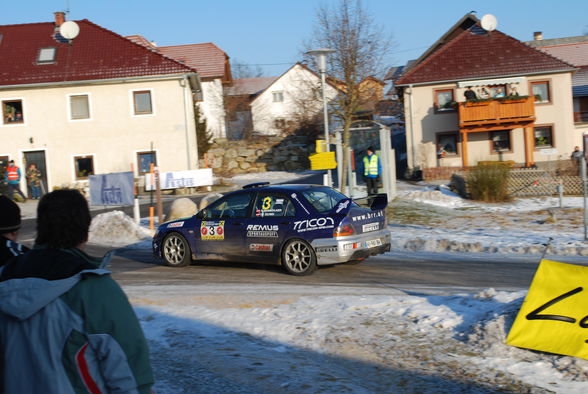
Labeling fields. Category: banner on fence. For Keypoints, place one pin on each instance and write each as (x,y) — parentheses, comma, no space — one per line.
(178,179)
(112,189)
(554,317)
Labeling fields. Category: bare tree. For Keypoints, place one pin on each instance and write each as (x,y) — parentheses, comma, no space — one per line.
(240,69)
(360,48)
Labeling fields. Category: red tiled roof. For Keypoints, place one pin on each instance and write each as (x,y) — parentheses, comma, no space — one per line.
(96,53)
(139,39)
(575,54)
(207,58)
(249,86)
(475,54)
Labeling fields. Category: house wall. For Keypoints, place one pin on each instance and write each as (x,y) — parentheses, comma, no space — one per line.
(426,123)
(301,97)
(113,135)
(213,108)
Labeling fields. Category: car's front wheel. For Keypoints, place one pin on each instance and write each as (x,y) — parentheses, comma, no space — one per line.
(176,252)
(298,258)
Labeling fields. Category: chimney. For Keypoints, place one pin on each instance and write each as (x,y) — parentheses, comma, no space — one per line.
(59,18)
(538,36)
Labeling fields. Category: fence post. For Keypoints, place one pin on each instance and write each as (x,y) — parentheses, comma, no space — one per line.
(583,174)
(560,190)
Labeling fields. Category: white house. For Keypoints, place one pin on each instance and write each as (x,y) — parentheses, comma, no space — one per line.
(287,101)
(96,104)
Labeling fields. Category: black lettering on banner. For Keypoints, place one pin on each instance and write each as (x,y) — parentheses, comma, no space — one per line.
(534,315)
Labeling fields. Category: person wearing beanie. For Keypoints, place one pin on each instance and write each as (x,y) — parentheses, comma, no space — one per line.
(9,226)
(65,325)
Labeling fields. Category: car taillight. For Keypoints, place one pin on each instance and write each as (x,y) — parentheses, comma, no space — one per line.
(343,230)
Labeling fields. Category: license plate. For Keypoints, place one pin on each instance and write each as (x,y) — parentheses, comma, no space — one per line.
(372,243)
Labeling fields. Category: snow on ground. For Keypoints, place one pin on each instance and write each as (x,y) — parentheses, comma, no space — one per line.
(291,339)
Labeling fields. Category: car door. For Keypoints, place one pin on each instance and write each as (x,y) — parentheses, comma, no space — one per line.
(222,227)
(271,221)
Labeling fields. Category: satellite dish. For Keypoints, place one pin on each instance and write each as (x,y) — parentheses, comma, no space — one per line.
(489,22)
(69,30)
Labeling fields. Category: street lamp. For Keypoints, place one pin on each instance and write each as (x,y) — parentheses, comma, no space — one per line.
(321,60)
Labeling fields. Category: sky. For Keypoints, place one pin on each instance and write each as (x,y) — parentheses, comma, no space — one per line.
(271,33)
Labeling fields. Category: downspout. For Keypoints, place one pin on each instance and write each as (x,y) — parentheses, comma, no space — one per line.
(185,84)
(413,147)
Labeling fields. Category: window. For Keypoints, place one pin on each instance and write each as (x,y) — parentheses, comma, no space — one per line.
(142,102)
(234,206)
(444,100)
(447,142)
(144,160)
(323,199)
(79,106)
(278,97)
(543,137)
(273,205)
(84,166)
(541,92)
(12,111)
(500,140)
(46,56)
(279,123)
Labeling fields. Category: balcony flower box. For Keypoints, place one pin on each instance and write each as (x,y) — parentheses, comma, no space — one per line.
(477,103)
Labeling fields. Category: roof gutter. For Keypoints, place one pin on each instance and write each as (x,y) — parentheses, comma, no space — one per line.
(194,77)
(489,77)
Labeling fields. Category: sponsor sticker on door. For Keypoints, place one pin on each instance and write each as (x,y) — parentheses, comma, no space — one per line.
(212,230)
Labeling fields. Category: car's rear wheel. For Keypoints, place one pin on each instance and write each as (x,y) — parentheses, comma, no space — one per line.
(298,258)
(176,252)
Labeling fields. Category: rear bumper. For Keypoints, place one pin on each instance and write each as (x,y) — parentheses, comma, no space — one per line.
(354,247)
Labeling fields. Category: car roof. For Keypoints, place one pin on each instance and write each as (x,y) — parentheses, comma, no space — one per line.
(284,188)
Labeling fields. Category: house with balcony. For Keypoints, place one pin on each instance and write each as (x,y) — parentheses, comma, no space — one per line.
(519,105)
(94,104)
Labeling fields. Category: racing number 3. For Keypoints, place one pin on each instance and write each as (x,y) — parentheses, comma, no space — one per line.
(267,203)
(535,315)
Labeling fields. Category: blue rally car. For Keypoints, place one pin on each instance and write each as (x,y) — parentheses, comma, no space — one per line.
(297,226)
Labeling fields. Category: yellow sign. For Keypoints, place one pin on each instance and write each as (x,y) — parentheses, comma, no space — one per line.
(323,161)
(554,315)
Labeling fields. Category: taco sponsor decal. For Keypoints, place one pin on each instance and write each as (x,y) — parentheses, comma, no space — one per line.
(212,230)
(314,224)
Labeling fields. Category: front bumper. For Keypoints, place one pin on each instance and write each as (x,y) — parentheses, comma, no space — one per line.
(354,247)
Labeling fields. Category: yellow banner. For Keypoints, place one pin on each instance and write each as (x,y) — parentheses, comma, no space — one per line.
(323,161)
(554,315)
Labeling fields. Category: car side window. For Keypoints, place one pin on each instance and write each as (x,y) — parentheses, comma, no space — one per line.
(320,200)
(233,206)
(273,205)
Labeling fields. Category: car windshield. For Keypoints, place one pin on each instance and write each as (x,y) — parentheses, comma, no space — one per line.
(323,199)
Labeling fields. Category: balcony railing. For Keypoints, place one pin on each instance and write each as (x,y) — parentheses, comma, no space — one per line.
(503,111)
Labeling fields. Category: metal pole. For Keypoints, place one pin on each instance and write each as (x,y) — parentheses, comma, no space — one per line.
(339,153)
(583,175)
(326,120)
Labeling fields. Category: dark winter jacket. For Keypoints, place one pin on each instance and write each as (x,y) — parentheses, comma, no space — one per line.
(67,327)
(10,249)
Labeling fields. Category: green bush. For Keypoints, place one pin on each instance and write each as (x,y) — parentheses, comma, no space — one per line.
(489,182)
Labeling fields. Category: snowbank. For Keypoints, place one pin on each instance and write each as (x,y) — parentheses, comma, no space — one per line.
(117,229)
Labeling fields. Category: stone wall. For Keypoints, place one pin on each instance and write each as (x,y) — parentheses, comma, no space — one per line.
(258,154)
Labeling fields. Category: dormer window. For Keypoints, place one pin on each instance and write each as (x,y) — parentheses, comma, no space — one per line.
(46,55)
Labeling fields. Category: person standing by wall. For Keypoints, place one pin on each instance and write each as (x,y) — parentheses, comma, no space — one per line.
(34,181)
(9,226)
(372,169)
(13,180)
(65,325)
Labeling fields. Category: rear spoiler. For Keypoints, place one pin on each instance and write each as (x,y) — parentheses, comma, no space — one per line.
(380,201)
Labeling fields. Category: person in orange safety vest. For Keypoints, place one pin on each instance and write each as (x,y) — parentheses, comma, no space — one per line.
(12,178)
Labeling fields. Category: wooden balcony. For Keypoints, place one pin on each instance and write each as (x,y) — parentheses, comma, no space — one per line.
(496,114)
